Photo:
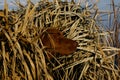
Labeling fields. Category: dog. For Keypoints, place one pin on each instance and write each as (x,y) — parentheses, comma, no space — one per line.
(54,41)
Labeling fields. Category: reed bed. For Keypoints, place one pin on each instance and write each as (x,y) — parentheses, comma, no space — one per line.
(23,56)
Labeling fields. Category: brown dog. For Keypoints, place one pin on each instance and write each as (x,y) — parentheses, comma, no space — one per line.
(55,42)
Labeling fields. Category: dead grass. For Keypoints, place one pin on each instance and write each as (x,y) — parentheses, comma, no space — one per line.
(22,55)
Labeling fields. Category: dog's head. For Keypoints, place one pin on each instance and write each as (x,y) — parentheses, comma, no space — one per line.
(54,41)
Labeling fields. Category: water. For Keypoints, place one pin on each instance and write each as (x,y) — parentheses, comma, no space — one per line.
(102,5)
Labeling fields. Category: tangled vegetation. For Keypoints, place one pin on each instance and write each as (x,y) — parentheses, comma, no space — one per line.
(24,57)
